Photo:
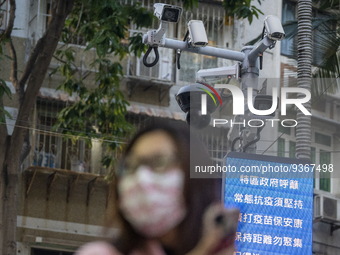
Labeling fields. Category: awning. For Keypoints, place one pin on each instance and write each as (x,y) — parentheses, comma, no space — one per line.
(154,111)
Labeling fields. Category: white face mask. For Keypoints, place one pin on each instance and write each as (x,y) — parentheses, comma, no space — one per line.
(152,202)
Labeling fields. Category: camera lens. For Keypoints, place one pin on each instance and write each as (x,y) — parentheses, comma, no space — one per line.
(170,14)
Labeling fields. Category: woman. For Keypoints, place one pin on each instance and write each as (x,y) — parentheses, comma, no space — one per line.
(163,210)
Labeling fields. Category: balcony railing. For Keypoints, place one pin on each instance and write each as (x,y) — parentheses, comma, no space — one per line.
(52,150)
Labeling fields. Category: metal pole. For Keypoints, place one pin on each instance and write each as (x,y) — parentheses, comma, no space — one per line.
(208,50)
(249,79)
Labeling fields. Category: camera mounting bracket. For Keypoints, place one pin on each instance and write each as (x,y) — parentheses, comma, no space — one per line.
(247,69)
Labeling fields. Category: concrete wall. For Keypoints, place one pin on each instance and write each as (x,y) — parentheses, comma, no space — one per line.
(62,209)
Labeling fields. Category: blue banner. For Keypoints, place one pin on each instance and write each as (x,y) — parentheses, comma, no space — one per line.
(276,207)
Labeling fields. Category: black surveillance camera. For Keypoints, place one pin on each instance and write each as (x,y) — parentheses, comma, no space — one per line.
(189,99)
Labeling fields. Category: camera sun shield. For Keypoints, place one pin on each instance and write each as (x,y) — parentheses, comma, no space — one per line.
(198,35)
(274,28)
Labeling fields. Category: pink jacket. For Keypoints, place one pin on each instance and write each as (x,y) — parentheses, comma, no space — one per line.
(103,248)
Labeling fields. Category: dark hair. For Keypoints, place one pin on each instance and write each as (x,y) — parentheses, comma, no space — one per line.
(198,193)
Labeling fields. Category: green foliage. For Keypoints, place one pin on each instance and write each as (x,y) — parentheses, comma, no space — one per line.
(327,4)
(4,89)
(242,9)
(102,27)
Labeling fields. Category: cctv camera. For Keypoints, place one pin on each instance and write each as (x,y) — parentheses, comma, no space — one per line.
(198,36)
(274,28)
(166,12)
(189,99)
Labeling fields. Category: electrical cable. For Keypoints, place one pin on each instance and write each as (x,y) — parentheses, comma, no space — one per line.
(273,143)
(261,56)
(62,134)
(178,59)
(178,54)
(258,137)
(155,48)
(234,142)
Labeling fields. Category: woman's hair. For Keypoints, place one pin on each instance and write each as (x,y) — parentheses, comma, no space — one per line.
(198,193)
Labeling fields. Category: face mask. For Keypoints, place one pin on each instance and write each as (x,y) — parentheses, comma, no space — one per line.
(152,202)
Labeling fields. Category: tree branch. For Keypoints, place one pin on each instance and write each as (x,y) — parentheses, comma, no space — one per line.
(14,69)
(9,28)
(3,127)
(37,67)
(41,44)
(30,63)
(65,62)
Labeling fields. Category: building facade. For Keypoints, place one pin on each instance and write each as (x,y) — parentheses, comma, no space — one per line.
(64,195)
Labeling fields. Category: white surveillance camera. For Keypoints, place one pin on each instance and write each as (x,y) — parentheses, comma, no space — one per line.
(198,36)
(166,12)
(274,28)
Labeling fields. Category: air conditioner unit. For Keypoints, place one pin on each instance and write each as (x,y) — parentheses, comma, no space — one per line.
(326,208)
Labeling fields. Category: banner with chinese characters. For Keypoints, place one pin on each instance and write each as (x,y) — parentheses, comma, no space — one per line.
(275,198)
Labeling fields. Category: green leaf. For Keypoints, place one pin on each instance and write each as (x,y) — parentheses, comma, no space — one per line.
(4,89)
(4,114)
(103,27)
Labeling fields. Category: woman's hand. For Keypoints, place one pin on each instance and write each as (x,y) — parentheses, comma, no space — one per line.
(219,228)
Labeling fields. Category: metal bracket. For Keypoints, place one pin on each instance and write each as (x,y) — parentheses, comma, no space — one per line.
(50,180)
(90,188)
(108,195)
(156,37)
(70,186)
(334,227)
(30,181)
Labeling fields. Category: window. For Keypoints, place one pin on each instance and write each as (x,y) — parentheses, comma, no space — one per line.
(313,161)
(321,154)
(39,17)
(216,143)
(36,251)
(285,130)
(325,177)
(3,15)
(281,147)
(53,149)
(324,31)
(288,14)
(323,139)
(322,35)
(292,149)
(313,155)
